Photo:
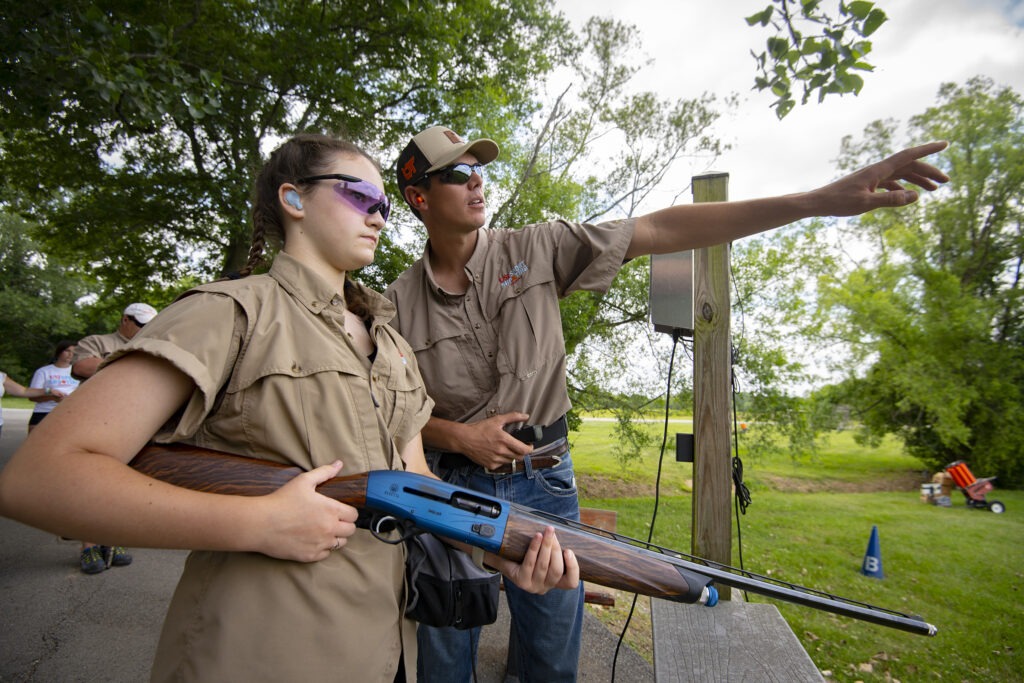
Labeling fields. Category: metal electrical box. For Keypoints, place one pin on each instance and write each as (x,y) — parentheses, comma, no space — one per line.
(671,293)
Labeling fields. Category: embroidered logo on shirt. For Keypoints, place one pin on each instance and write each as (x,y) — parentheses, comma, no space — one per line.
(514,275)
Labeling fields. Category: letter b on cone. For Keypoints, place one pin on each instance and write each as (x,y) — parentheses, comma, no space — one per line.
(872,565)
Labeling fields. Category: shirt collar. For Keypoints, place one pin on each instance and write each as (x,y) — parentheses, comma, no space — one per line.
(313,292)
(472,266)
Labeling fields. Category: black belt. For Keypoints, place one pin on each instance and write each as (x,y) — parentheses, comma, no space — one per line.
(549,443)
(540,435)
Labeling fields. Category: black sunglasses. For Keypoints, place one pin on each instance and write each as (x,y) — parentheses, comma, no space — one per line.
(357,192)
(456,174)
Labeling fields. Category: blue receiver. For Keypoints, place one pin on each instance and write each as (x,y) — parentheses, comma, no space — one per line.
(292,197)
(439,507)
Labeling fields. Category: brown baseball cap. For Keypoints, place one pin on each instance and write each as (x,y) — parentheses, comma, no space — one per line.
(435,148)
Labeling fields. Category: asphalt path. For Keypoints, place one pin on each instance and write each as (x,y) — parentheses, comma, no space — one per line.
(60,625)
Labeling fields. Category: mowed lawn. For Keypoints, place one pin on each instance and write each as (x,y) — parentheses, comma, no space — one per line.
(810,522)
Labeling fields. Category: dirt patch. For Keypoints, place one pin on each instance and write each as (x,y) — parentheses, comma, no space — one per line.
(599,486)
(895,481)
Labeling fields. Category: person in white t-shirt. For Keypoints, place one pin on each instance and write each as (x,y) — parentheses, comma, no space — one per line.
(9,386)
(55,379)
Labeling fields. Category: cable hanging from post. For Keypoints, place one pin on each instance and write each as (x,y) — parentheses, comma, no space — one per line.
(742,498)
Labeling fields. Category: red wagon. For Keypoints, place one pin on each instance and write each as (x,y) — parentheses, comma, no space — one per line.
(975,490)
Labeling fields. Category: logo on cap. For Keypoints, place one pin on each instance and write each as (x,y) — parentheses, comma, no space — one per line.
(456,140)
(409,168)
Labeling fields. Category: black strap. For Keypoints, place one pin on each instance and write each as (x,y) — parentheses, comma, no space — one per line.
(540,435)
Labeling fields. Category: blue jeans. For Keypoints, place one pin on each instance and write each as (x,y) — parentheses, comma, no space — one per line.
(545,629)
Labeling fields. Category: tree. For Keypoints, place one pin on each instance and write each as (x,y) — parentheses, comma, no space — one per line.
(935,320)
(38,302)
(773,305)
(132,130)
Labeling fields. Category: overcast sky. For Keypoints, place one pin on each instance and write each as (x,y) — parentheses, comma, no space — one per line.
(704,45)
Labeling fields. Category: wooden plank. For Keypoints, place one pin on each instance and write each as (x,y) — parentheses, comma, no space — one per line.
(602,598)
(728,643)
(711,529)
(602,519)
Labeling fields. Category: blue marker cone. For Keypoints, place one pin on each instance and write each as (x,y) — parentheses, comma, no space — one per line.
(872,565)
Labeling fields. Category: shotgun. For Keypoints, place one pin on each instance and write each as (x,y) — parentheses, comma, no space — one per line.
(414,502)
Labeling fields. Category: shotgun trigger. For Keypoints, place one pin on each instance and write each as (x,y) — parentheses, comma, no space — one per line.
(383,526)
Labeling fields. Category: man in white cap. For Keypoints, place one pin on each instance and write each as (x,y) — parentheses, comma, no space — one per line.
(480,309)
(90,352)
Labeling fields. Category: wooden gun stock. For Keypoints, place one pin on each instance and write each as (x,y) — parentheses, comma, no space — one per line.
(202,469)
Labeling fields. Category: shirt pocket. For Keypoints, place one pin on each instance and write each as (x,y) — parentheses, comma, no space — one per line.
(447,369)
(529,328)
(308,411)
(401,394)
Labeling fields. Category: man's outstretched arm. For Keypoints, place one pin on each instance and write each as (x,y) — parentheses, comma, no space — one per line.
(693,226)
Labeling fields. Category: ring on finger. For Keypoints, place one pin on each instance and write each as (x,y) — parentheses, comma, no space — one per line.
(337,544)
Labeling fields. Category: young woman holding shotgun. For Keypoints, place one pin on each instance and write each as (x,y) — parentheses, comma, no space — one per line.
(297,366)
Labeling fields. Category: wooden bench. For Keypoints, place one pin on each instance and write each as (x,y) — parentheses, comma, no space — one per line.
(732,641)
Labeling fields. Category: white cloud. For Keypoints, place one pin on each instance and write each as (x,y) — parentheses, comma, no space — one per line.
(704,46)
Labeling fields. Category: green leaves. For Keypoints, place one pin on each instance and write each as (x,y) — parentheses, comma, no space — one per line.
(139,126)
(812,48)
(935,319)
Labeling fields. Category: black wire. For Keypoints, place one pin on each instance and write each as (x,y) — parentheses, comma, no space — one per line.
(742,499)
(742,492)
(657,490)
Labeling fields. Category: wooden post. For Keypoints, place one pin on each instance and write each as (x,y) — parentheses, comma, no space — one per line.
(712,464)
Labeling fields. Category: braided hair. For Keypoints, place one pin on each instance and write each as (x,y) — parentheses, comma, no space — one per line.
(303,155)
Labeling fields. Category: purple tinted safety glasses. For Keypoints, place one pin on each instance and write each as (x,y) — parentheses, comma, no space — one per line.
(357,192)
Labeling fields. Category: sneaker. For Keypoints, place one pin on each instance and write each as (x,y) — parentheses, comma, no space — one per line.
(116,556)
(91,560)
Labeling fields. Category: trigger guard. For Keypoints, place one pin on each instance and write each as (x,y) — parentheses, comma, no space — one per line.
(381,526)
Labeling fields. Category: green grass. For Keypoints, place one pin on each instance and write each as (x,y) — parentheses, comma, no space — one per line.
(960,569)
(14,402)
